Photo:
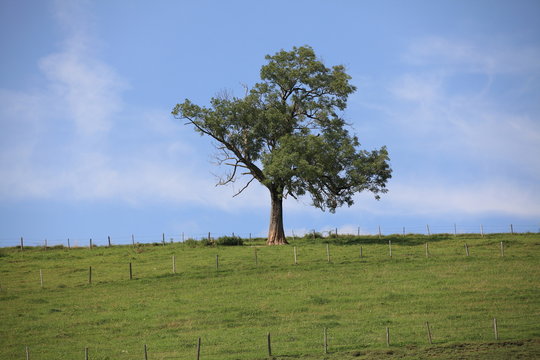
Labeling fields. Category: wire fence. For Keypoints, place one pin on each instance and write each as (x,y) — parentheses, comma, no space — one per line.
(173,237)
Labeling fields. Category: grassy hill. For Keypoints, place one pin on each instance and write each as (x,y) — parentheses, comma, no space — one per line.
(256,290)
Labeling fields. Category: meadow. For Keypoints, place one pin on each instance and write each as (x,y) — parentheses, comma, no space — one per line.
(231,297)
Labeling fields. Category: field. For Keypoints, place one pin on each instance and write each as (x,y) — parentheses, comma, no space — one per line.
(231,297)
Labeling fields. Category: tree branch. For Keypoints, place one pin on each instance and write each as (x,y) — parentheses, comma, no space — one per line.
(245,187)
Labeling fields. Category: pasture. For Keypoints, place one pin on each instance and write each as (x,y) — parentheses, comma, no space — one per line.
(371,304)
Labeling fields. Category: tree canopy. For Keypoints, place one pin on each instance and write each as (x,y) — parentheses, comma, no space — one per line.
(286,132)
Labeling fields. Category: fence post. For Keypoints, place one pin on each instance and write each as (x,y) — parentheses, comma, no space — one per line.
(495,329)
(325,341)
(387,336)
(502,248)
(145,352)
(163,238)
(174,264)
(27,353)
(132,239)
(429,333)
(428,232)
(199,349)
(360,251)
(455,229)
(85,353)
(22,244)
(269,342)
(328,252)
(512,229)
(427,250)
(90,275)
(69,245)
(90,245)
(379,232)
(109,240)
(390,247)
(466,249)
(130,272)
(482,230)
(217,262)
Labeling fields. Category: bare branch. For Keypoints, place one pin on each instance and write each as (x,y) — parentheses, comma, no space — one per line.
(245,187)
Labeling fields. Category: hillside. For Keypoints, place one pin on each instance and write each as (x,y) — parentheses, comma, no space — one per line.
(233,296)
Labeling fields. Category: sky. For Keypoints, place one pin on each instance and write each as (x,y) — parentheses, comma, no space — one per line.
(89,149)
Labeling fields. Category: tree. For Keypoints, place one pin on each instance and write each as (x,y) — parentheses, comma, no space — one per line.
(286,133)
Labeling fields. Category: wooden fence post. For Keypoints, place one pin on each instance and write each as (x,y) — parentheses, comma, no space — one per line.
(360,251)
(325,341)
(387,336)
(428,232)
(427,250)
(109,240)
(90,275)
(27,353)
(132,239)
(482,230)
(466,249)
(163,238)
(512,229)
(429,333)
(22,244)
(390,247)
(145,352)
(199,349)
(328,252)
(69,245)
(502,248)
(90,245)
(495,329)
(379,232)
(269,343)
(217,262)
(173,264)
(85,353)
(130,272)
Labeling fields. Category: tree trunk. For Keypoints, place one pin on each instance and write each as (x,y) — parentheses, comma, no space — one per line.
(276,234)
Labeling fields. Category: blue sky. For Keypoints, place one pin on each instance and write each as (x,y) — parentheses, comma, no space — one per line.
(88,147)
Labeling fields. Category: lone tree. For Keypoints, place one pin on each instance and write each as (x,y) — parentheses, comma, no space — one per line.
(286,133)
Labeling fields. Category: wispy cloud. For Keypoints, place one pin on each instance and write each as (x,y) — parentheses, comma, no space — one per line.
(449,103)
(75,139)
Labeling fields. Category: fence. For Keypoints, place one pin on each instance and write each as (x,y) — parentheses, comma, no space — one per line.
(170,237)
(332,340)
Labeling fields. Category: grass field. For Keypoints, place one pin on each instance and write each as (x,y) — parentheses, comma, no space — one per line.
(233,308)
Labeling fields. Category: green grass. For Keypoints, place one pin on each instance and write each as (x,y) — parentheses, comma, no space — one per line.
(232,309)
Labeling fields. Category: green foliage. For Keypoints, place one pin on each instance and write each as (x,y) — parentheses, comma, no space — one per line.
(230,241)
(286,132)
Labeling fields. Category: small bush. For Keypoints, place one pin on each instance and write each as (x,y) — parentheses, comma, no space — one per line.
(230,241)
(191,242)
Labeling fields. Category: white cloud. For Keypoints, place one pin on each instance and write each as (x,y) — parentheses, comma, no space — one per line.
(61,141)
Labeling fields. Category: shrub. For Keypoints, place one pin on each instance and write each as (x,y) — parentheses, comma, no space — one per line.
(230,241)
